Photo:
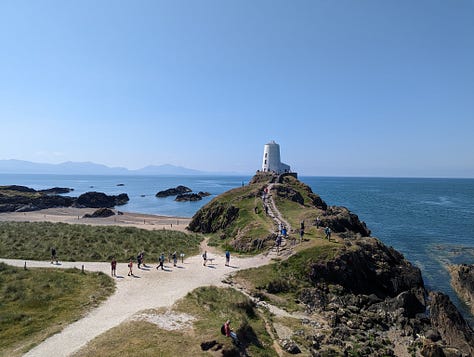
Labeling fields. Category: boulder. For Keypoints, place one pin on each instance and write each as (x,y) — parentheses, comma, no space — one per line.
(100,213)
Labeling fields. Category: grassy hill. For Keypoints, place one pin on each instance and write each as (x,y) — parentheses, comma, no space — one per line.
(237,219)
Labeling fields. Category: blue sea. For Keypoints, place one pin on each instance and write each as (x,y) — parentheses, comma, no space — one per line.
(431,221)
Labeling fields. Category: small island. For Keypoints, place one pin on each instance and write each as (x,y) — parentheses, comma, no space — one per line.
(191,196)
(178,190)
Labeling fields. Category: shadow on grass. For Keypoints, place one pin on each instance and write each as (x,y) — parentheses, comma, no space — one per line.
(247,336)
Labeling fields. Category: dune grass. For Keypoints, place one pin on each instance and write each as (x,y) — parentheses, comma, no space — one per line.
(77,242)
(37,303)
(211,307)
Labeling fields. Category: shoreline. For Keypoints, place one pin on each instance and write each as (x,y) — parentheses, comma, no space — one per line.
(74,215)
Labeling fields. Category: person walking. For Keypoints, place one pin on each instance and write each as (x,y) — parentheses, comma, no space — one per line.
(113,265)
(204,258)
(53,255)
(139,260)
(130,267)
(327,230)
(161,261)
(227,258)
(175,258)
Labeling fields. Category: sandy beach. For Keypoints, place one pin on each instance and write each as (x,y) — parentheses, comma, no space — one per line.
(75,216)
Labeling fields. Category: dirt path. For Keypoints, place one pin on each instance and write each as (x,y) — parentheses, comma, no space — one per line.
(149,288)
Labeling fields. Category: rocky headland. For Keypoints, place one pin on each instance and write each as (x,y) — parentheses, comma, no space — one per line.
(23,199)
(352,295)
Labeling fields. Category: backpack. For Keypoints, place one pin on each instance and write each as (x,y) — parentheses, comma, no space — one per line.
(223,330)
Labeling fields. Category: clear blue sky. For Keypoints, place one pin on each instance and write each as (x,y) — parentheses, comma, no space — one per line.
(352,88)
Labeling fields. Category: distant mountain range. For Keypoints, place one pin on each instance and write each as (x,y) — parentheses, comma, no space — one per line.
(90,168)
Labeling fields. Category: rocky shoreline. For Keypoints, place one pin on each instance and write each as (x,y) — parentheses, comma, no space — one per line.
(366,300)
(24,199)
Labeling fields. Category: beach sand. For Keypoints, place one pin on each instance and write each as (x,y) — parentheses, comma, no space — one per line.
(75,216)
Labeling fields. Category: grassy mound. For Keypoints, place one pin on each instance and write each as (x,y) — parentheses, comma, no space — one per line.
(37,303)
(76,242)
(281,282)
(210,307)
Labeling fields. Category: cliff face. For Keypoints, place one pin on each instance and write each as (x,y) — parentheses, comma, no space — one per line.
(462,280)
(366,266)
(452,327)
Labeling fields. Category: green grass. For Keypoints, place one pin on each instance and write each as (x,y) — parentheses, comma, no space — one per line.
(249,225)
(211,307)
(77,242)
(282,281)
(37,303)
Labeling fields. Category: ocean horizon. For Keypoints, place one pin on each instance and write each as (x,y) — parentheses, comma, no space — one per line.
(429,220)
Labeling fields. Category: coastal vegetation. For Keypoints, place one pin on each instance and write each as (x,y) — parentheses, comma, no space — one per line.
(209,308)
(242,221)
(37,303)
(281,283)
(80,242)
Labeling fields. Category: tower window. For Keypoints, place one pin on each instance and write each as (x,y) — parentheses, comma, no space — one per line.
(265,162)
(266,154)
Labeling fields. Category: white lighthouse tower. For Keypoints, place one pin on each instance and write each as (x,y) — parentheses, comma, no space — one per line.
(271,159)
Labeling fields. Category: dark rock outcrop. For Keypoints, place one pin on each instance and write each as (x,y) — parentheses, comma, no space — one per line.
(462,280)
(214,217)
(99,200)
(56,190)
(178,190)
(186,197)
(25,203)
(367,266)
(191,196)
(17,188)
(452,327)
(100,213)
(22,199)
(341,220)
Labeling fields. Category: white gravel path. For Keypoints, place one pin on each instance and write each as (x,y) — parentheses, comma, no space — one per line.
(150,288)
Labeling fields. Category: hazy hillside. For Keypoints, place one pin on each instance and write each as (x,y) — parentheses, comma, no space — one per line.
(90,168)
